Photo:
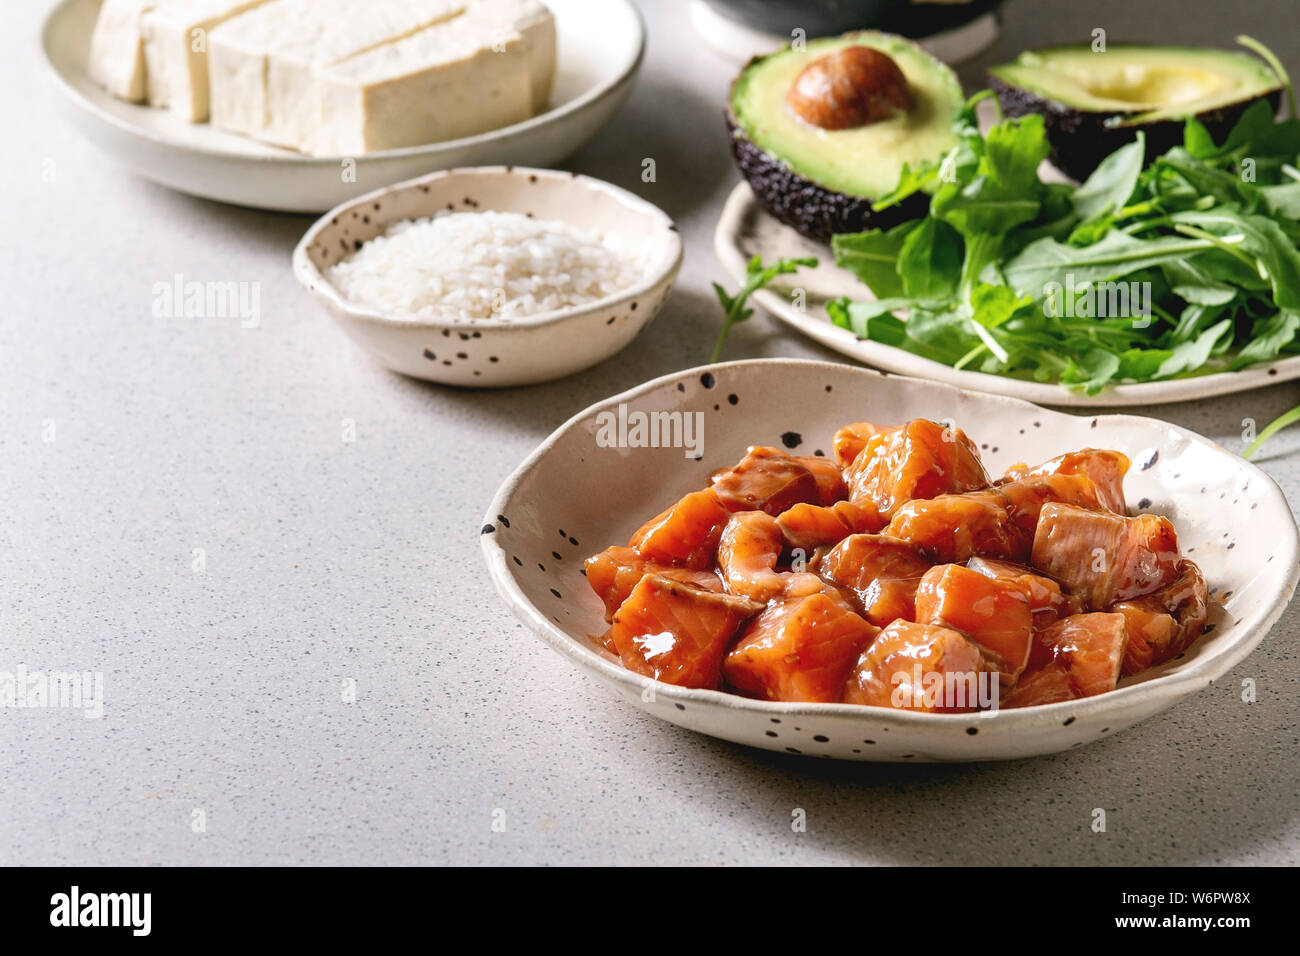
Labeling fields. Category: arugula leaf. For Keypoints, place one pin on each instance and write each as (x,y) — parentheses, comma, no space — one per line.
(1267,338)
(1111,184)
(1275,255)
(930,261)
(1112,257)
(757,276)
(870,320)
(873,257)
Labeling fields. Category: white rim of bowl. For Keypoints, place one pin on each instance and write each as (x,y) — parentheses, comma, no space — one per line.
(315,282)
(600,91)
(1167,686)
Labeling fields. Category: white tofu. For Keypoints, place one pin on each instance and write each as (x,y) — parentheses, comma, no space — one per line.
(263,64)
(451,80)
(117,48)
(534,22)
(176,52)
(488,68)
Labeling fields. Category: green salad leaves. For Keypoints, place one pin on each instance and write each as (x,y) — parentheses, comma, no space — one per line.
(1183,266)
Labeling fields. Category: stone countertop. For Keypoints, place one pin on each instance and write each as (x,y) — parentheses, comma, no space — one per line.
(180,443)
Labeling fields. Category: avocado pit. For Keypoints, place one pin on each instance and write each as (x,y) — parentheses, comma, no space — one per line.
(850,87)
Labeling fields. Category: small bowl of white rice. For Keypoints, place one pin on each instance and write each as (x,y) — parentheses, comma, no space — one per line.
(492,276)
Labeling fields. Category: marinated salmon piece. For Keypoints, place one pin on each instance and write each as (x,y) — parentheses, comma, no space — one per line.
(766,479)
(851,439)
(1150,631)
(800,649)
(882,573)
(830,480)
(1103,557)
(676,632)
(1046,599)
(1026,497)
(813,526)
(993,613)
(748,552)
(1163,624)
(949,529)
(1085,654)
(922,459)
(1106,469)
(686,534)
(1047,685)
(918,667)
(614,572)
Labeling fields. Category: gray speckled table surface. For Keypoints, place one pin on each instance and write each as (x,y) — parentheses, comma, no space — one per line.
(328,561)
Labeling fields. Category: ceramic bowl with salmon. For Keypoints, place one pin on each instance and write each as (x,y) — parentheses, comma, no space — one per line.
(1205,515)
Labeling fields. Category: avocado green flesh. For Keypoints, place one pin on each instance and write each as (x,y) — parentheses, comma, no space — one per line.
(864,161)
(1158,82)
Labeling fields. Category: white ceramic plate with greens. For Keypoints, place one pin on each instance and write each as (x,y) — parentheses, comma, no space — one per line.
(572,497)
(600,48)
(745,230)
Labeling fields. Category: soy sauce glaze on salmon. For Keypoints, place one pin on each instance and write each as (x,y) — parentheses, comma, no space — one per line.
(897,573)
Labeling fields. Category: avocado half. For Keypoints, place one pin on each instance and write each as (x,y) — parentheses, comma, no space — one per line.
(1094,102)
(823,181)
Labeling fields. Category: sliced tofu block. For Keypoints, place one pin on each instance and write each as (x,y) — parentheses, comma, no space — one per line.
(533,21)
(458,78)
(262,65)
(117,48)
(176,52)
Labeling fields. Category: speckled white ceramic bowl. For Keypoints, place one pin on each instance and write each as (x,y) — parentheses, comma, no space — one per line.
(497,352)
(573,497)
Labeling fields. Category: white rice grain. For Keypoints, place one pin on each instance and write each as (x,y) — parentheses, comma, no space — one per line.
(468,266)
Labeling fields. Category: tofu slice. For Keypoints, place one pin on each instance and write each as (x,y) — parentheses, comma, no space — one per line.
(534,21)
(474,73)
(176,52)
(117,48)
(262,65)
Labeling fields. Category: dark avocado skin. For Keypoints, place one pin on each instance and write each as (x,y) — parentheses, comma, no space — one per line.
(1080,139)
(811,210)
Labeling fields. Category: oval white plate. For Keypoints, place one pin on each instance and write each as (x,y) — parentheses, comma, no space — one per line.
(600,50)
(496,353)
(745,230)
(572,498)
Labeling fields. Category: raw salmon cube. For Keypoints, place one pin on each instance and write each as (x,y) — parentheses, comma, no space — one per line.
(814,526)
(801,649)
(1106,469)
(750,548)
(677,632)
(614,572)
(1047,685)
(766,479)
(1163,624)
(1150,632)
(1026,497)
(686,534)
(881,572)
(851,439)
(952,528)
(1104,557)
(830,480)
(1085,652)
(922,459)
(994,614)
(1046,599)
(919,667)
